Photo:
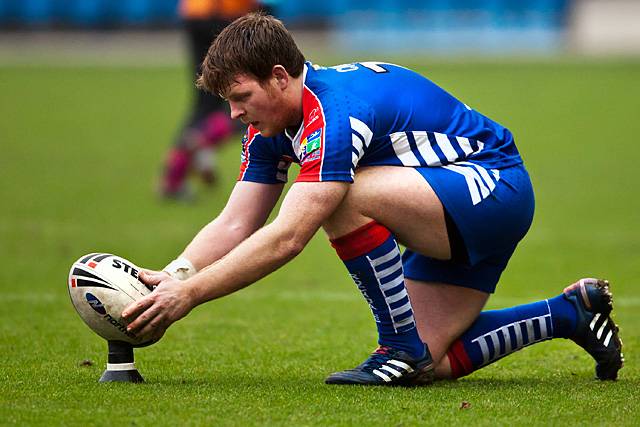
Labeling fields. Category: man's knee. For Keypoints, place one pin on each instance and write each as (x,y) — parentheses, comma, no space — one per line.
(390,195)
(349,214)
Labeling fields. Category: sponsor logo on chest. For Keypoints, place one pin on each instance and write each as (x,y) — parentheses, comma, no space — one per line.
(313,116)
(311,144)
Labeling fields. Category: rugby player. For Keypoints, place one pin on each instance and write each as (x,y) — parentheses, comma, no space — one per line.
(386,157)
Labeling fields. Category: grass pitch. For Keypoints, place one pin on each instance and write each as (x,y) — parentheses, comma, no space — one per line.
(81,148)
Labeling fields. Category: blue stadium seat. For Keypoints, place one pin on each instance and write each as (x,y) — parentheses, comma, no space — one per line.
(34,12)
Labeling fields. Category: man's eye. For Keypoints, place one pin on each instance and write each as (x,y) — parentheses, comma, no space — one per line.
(239,97)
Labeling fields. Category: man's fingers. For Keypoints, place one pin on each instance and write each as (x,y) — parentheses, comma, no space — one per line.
(155,326)
(134,309)
(144,319)
(149,277)
(151,316)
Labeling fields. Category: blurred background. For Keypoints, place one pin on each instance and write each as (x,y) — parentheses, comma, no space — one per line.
(97,115)
(444,27)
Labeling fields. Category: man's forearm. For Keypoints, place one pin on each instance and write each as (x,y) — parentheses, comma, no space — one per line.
(305,208)
(246,211)
(214,241)
(267,250)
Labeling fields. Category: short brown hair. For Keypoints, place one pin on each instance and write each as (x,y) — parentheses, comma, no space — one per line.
(252,45)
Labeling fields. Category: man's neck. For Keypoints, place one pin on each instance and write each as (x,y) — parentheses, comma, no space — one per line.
(295,101)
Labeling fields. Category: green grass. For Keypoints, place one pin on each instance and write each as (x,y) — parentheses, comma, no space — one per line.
(80,149)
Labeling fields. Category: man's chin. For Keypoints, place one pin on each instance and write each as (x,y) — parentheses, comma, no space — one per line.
(268,132)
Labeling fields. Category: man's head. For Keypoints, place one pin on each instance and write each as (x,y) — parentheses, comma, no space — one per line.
(253,63)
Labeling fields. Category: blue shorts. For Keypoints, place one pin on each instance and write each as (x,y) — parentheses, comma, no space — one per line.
(491,210)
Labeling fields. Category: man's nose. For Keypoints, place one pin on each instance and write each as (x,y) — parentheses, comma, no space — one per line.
(236,111)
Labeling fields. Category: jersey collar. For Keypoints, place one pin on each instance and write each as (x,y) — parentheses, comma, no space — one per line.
(295,139)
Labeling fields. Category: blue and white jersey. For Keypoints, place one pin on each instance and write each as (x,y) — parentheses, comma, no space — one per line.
(374,113)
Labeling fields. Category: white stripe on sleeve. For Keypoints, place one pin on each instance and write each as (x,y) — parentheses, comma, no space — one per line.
(400,144)
(424,147)
(445,145)
(360,127)
(465,145)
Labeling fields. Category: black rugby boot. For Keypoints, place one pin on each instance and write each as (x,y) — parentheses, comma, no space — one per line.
(596,332)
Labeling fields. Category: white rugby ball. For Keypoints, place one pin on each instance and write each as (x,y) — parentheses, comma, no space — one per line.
(101,286)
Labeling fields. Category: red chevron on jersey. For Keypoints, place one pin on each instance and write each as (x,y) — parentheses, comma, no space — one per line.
(247,139)
(312,140)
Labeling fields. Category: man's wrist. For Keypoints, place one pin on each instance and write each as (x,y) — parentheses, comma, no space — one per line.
(195,292)
(180,268)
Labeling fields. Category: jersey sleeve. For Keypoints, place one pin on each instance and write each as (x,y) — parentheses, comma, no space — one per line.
(330,147)
(261,161)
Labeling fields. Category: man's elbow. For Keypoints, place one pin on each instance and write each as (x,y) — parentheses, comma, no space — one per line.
(237,227)
(292,236)
(292,245)
(293,248)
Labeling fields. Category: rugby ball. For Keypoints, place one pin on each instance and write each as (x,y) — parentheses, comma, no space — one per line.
(101,286)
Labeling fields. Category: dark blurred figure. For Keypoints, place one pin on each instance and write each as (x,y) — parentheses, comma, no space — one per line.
(208,123)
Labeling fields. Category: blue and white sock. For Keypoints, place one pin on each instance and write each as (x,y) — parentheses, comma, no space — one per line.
(498,333)
(373,259)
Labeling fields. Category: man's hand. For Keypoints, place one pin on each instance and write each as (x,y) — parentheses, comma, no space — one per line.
(153,314)
(305,208)
(152,278)
(303,211)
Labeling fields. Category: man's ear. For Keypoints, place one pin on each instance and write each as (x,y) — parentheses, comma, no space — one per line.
(281,76)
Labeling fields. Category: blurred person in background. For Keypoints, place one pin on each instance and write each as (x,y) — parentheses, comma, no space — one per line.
(207,124)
